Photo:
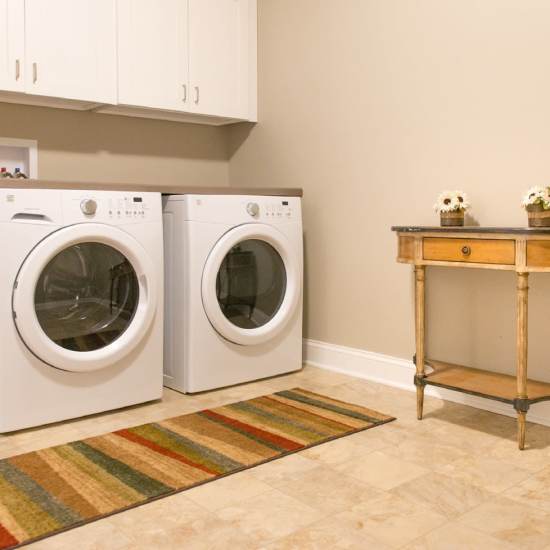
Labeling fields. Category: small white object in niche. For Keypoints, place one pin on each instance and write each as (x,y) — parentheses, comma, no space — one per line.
(19,153)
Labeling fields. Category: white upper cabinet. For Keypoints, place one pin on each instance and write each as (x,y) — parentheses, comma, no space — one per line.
(183,60)
(153,54)
(71,49)
(187,56)
(218,61)
(12,45)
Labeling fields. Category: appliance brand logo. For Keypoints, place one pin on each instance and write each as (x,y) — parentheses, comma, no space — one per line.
(10,198)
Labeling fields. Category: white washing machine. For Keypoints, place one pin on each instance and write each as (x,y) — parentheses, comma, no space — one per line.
(233,307)
(81,289)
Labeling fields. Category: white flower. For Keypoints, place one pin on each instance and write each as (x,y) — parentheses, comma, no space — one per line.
(462,200)
(452,201)
(537,195)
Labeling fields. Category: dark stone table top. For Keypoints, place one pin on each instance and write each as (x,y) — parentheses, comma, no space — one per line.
(471,229)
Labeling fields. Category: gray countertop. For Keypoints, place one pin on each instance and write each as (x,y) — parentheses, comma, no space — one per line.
(165,188)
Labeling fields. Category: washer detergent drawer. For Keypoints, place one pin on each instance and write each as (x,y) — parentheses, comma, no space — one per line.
(480,251)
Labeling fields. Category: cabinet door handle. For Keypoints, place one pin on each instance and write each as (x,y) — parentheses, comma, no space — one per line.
(184,86)
(466,250)
(197,94)
(17,69)
(34,72)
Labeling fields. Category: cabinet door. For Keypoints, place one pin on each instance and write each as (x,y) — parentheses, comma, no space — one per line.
(152,53)
(218,57)
(71,49)
(12,45)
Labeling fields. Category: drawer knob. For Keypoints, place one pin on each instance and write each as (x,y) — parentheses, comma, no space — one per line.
(466,250)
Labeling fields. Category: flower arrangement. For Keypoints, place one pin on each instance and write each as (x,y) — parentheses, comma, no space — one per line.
(452,201)
(451,206)
(537,195)
(537,203)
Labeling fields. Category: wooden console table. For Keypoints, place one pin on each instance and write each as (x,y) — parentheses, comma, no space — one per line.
(523,250)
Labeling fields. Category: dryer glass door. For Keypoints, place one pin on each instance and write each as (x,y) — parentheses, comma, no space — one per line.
(251,284)
(85,297)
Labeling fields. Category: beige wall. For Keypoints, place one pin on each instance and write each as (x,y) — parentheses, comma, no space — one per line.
(92,147)
(373,107)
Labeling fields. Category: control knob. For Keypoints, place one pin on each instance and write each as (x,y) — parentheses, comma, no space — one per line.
(88,207)
(253,208)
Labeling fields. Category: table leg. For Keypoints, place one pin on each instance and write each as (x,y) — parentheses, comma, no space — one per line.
(420,272)
(521,346)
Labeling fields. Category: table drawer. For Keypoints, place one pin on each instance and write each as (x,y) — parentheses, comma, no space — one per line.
(538,253)
(479,251)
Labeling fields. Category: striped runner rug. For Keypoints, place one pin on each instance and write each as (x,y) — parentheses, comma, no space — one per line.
(45,492)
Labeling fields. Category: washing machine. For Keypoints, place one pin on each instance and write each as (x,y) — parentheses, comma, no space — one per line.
(233,279)
(81,289)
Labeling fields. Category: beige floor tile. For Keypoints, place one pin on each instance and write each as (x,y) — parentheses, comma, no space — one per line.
(231,394)
(343,449)
(523,526)
(372,397)
(487,473)
(283,382)
(216,535)
(426,449)
(282,470)
(328,491)
(478,432)
(534,491)
(100,535)
(444,495)
(321,376)
(539,437)
(377,438)
(211,534)
(454,536)
(396,521)
(269,516)
(344,531)
(381,470)
(311,378)
(534,458)
(227,491)
(158,521)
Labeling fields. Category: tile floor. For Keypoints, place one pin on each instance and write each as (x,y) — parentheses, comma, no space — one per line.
(453,481)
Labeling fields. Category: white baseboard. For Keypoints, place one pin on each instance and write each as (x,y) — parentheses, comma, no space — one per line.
(399,373)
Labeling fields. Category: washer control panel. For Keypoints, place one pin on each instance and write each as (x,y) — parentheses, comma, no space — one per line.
(127,207)
(281,210)
(67,206)
(111,206)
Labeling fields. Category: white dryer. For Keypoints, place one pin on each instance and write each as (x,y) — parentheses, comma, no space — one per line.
(233,307)
(81,289)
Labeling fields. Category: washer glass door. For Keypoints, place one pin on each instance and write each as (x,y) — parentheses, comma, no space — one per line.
(86,296)
(251,284)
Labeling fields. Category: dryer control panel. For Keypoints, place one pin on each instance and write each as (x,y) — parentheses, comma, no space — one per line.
(240,208)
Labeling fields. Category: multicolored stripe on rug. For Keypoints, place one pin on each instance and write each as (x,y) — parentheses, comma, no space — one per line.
(55,489)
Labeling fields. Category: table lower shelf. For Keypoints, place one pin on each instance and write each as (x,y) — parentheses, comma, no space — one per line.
(492,385)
